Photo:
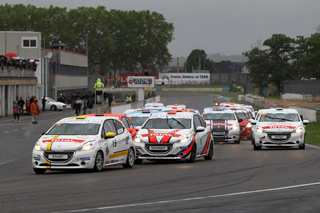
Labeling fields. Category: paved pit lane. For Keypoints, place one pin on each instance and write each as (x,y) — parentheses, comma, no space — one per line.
(236,168)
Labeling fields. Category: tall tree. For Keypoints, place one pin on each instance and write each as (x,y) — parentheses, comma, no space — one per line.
(258,64)
(197,60)
(279,50)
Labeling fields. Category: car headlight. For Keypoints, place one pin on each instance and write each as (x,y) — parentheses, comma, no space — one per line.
(234,127)
(85,147)
(185,139)
(249,125)
(298,129)
(137,139)
(260,129)
(37,146)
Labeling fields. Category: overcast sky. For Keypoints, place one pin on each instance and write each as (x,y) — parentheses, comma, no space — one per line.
(216,26)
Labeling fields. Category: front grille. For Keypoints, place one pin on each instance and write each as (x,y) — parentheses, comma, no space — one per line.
(69,154)
(279,136)
(169,147)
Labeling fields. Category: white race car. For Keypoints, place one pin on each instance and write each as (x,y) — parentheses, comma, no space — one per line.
(278,127)
(84,142)
(54,105)
(175,135)
(224,125)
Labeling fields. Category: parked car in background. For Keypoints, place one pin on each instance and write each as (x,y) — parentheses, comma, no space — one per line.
(53,105)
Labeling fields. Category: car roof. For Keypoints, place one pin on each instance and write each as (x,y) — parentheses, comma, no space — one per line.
(173,114)
(219,112)
(278,110)
(147,113)
(84,119)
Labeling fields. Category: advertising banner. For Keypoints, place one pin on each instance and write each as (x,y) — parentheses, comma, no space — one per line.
(140,81)
(185,78)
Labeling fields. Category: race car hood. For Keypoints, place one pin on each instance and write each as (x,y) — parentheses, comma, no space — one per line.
(162,135)
(220,124)
(64,142)
(279,126)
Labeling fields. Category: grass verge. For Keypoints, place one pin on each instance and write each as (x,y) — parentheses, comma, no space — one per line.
(313,133)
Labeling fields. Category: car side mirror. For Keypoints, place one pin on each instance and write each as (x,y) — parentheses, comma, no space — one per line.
(109,135)
(200,129)
(305,122)
(253,122)
(301,117)
(240,120)
(130,130)
(43,133)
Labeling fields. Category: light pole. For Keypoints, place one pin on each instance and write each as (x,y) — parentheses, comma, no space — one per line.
(5,38)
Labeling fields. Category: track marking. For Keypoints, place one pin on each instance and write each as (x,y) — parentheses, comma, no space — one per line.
(194,198)
(15,130)
(24,127)
(316,147)
(6,132)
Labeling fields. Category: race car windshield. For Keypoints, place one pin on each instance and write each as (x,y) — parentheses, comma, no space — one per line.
(219,116)
(138,121)
(74,129)
(168,123)
(279,117)
(242,115)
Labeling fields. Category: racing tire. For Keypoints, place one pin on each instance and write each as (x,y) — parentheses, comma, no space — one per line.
(130,159)
(39,171)
(98,162)
(53,108)
(303,146)
(210,154)
(255,147)
(193,154)
(138,161)
(237,141)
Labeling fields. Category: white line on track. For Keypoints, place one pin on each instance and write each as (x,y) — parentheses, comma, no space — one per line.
(194,198)
(316,147)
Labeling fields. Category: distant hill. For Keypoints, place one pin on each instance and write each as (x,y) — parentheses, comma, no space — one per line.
(216,57)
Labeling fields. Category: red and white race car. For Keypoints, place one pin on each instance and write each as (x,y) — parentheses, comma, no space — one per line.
(174,135)
(278,128)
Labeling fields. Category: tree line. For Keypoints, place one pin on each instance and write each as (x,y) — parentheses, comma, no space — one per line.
(117,39)
(282,58)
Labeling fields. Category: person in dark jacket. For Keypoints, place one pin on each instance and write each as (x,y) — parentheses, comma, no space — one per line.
(44,103)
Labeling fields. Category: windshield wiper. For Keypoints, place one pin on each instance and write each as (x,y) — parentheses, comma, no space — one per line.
(284,119)
(168,123)
(179,123)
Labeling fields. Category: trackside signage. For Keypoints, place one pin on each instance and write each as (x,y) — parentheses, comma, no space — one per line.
(183,78)
(140,81)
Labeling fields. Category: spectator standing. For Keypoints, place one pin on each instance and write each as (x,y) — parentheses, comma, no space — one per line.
(85,106)
(34,111)
(77,105)
(27,105)
(16,111)
(31,100)
(43,103)
(90,105)
(21,103)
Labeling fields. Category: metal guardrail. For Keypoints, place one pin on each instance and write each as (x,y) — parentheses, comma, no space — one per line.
(16,72)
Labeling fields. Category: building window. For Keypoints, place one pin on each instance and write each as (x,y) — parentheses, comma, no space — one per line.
(29,42)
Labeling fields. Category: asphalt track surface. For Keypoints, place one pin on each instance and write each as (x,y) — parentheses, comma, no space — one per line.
(238,179)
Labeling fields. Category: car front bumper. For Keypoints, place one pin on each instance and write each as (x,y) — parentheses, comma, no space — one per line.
(267,140)
(76,160)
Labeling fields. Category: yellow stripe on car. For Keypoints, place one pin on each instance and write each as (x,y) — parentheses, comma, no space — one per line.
(115,155)
(47,162)
(49,146)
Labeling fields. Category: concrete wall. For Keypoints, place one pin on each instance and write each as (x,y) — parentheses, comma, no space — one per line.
(121,108)
(8,94)
(302,97)
(13,42)
(73,59)
(308,114)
